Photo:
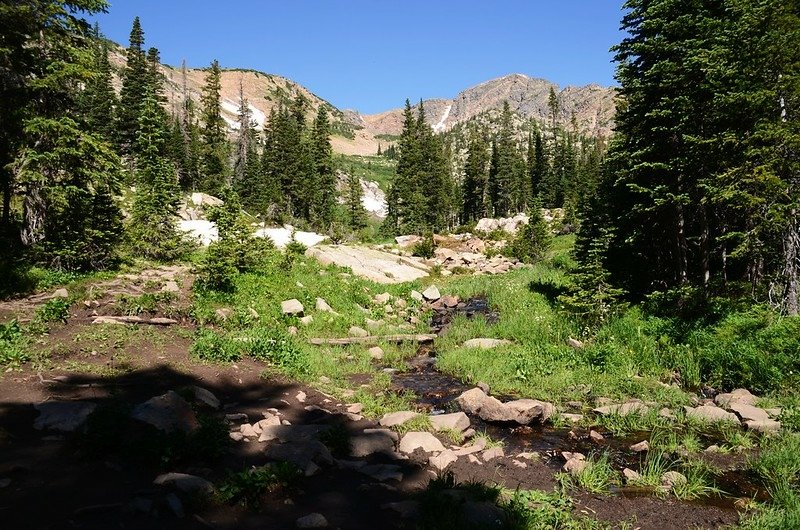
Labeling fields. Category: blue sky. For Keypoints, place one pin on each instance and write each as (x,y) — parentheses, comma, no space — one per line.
(371,55)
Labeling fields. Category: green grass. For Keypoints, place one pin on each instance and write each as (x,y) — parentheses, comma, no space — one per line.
(248,487)
(596,477)
(376,168)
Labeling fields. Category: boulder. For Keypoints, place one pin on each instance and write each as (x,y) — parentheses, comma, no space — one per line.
(64,416)
(574,343)
(485,344)
(630,475)
(431,294)
(457,421)
(640,447)
(748,412)
(206,397)
(356,331)
(323,306)
(670,479)
(300,453)
(382,472)
(764,426)
(477,447)
(443,460)
(491,454)
(574,466)
(372,442)
(355,408)
(407,241)
(740,395)
(527,411)
(382,299)
(376,352)
(710,414)
(168,412)
(291,433)
(292,307)
(631,407)
(420,440)
(185,483)
(312,520)
(393,419)
(61,293)
(416,295)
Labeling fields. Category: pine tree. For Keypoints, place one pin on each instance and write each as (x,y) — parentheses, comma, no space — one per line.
(245,138)
(508,186)
(406,201)
(324,186)
(152,225)
(474,185)
(63,172)
(134,80)
(355,214)
(99,99)
(214,163)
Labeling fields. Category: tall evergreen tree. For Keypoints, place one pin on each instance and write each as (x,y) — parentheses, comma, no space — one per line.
(214,164)
(64,174)
(474,185)
(355,214)
(152,225)
(324,187)
(245,138)
(99,99)
(406,201)
(134,80)
(508,186)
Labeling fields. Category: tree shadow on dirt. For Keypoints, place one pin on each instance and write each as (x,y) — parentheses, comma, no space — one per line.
(101,476)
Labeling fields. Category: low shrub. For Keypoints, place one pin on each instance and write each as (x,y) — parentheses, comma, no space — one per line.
(54,310)
(211,346)
(248,487)
(425,248)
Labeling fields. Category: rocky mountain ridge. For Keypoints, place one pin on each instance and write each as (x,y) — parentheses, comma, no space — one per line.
(592,105)
(357,134)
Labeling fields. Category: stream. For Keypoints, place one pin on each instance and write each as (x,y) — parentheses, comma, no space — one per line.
(435,392)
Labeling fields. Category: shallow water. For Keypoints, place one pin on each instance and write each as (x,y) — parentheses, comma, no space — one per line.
(436,393)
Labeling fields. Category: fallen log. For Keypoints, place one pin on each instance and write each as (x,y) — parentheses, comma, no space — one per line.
(346,341)
(158,321)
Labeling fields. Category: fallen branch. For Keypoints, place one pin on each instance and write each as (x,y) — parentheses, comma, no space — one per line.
(370,340)
(158,321)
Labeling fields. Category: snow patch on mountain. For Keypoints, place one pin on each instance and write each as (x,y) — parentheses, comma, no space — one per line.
(439,127)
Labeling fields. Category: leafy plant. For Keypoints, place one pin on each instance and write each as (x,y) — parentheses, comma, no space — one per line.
(425,248)
(211,346)
(249,486)
(12,345)
(54,310)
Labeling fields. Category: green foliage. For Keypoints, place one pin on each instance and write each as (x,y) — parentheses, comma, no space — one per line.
(236,250)
(596,477)
(425,248)
(278,348)
(538,510)
(591,298)
(421,195)
(756,349)
(249,486)
(12,345)
(54,310)
(150,303)
(532,240)
(152,227)
(214,347)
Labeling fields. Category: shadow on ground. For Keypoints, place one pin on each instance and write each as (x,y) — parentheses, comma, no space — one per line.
(66,480)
